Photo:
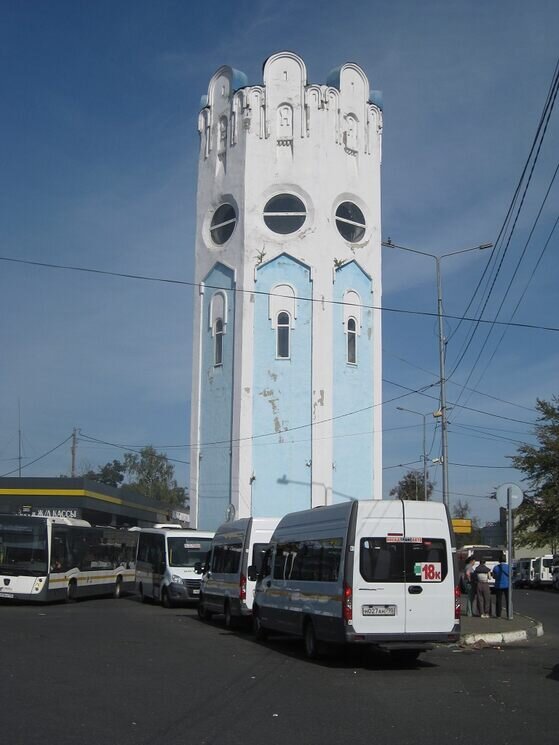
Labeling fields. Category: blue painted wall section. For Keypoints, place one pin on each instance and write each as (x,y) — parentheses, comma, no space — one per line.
(282,397)
(216,393)
(353,390)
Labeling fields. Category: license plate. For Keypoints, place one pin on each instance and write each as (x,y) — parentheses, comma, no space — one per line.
(195,592)
(6,594)
(378,610)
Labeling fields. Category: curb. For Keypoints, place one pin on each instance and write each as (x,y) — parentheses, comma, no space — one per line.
(504,637)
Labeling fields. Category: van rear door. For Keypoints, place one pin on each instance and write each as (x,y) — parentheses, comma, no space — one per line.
(379,590)
(430,602)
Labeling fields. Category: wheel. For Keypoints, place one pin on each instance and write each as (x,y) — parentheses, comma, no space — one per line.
(260,632)
(230,620)
(72,591)
(166,601)
(117,592)
(310,641)
(404,656)
(203,613)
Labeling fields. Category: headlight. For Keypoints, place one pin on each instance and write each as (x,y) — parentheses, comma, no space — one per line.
(177,579)
(38,584)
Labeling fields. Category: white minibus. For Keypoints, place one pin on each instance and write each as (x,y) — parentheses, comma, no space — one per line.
(363,572)
(165,564)
(226,587)
(543,568)
(523,572)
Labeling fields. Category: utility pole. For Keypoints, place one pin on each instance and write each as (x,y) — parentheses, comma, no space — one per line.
(19,437)
(74,451)
(442,350)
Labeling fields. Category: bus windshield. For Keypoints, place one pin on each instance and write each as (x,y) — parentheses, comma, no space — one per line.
(23,546)
(487,554)
(186,551)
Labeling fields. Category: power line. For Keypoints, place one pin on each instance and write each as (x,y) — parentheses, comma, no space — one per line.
(44,455)
(237,290)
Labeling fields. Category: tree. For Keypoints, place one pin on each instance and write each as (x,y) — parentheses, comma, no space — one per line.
(538,515)
(111,474)
(151,474)
(410,486)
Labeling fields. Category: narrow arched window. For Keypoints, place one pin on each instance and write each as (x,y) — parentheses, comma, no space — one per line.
(218,342)
(282,335)
(351,341)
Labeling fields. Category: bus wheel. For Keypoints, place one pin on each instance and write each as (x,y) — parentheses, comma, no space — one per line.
(71,591)
(117,592)
(230,620)
(311,644)
(260,632)
(203,613)
(166,601)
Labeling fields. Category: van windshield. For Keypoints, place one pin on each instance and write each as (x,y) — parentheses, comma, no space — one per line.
(185,552)
(385,560)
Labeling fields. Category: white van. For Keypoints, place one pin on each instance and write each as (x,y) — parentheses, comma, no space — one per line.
(165,563)
(226,587)
(523,572)
(543,571)
(365,572)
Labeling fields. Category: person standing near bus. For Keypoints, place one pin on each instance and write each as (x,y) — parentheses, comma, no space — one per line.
(483,591)
(501,575)
(468,585)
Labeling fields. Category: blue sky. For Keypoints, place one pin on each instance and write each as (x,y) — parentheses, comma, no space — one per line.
(99,151)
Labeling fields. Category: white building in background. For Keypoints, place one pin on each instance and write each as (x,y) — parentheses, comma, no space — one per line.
(286,395)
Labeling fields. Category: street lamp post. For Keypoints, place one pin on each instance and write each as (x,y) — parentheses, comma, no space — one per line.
(442,342)
(411,411)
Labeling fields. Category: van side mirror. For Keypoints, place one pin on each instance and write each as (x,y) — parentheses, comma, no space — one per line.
(252,573)
(198,567)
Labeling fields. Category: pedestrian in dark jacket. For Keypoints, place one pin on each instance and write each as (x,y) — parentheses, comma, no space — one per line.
(483,591)
(501,575)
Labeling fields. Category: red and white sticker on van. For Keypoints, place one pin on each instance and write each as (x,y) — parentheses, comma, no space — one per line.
(430,571)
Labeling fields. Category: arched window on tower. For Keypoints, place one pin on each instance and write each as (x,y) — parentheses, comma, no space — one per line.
(351,341)
(282,335)
(218,342)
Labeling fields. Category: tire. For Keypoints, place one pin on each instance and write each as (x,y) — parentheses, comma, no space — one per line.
(260,632)
(405,656)
(166,601)
(72,591)
(230,620)
(203,613)
(312,647)
(117,591)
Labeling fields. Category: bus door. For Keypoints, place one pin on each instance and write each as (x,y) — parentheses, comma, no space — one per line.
(430,602)
(379,590)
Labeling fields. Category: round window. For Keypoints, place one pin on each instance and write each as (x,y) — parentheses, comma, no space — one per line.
(223,224)
(285,213)
(350,222)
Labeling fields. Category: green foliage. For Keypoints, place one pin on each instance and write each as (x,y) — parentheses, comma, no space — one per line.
(147,472)
(111,474)
(410,486)
(538,516)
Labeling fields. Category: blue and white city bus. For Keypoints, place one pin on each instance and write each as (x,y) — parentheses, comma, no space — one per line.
(51,558)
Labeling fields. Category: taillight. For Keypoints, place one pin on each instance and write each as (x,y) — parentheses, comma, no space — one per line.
(243,587)
(347,604)
(457,603)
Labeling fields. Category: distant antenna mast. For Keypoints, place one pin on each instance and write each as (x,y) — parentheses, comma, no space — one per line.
(74,451)
(19,436)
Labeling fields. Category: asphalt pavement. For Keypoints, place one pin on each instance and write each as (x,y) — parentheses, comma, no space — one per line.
(117,672)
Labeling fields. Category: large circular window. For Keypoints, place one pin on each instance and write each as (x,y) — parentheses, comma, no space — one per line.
(350,222)
(223,224)
(285,213)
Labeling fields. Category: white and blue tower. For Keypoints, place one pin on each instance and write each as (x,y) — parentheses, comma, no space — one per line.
(286,393)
